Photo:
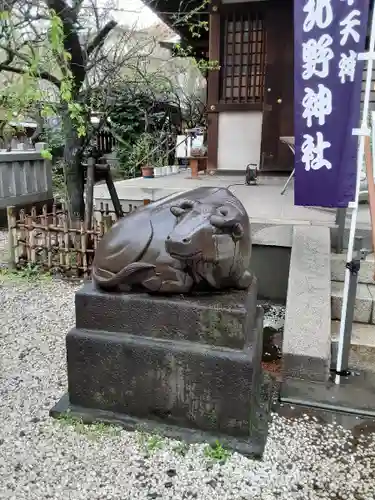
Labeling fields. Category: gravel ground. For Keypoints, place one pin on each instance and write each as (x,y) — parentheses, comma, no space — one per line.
(3,246)
(43,458)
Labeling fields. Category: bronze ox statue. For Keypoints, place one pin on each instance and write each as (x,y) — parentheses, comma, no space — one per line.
(198,240)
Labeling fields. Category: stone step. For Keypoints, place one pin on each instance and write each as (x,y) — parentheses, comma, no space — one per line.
(362,335)
(364,303)
(366,272)
(362,351)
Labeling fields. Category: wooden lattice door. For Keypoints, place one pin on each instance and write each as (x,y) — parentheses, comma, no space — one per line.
(242,73)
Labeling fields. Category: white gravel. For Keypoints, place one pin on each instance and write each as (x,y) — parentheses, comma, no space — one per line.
(43,458)
(274,316)
(3,247)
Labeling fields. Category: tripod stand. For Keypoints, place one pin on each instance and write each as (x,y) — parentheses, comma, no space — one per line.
(289,141)
(96,172)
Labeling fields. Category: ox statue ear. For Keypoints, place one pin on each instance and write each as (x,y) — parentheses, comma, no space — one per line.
(177,211)
(222,222)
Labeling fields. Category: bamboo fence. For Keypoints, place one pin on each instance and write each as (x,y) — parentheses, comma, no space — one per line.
(46,239)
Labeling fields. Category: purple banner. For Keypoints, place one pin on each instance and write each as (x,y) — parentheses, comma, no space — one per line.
(328,35)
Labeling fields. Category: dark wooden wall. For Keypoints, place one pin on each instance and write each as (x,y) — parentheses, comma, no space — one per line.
(278,119)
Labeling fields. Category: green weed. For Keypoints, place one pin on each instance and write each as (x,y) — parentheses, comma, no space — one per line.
(28,273)
(217,452)
(95,430)
(150,442)
(181,448)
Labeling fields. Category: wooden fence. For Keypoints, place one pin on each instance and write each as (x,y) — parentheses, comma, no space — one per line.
(105,142)
(46,239)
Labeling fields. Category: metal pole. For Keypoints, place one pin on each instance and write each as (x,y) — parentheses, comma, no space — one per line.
(354,268)
(90,181)
(287,182)
(360,159)
(340,222)
(113,194)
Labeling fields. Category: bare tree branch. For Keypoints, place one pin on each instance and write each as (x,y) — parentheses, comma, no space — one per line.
(43,75)
(13,54)
(99,39)
(77,4)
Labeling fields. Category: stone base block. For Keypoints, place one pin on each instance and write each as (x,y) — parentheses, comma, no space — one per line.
(191,364)
(187,383)
(251,445)
(220,319)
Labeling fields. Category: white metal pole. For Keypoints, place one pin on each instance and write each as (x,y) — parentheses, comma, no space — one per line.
(360,158)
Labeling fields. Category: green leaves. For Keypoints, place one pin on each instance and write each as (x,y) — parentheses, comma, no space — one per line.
(47,111)
(56,32)
(25,94)
(46,154)
(56,38)
(81,130)
(78,118)
(66,90)
(4,15)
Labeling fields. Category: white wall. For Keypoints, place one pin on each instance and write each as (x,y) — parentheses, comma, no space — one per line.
(240,135)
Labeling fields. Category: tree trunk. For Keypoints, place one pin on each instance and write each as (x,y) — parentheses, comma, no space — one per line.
(74,173)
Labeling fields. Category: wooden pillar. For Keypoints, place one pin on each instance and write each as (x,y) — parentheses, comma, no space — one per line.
(194,167)
(197,164)
(213,86)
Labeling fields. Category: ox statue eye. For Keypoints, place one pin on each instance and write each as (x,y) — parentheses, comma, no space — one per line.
(223,211)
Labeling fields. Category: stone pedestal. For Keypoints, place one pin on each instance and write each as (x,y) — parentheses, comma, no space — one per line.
(186,367)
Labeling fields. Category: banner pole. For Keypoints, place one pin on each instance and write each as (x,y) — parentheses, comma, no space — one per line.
(369,155)
(370,56)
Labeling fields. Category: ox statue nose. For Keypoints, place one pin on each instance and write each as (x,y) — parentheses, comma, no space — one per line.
(179,245)
(185,241)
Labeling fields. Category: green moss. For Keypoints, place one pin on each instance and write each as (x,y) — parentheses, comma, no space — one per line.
(218,327)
